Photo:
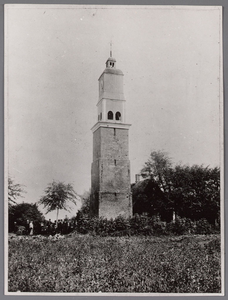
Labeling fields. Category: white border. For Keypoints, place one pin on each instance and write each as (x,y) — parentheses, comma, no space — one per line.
(221,103)
(6,141)
(113,294)
(222,163)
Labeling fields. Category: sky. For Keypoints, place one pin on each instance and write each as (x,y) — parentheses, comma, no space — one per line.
(54,55)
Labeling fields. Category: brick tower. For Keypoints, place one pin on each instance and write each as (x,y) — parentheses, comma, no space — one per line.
(111,190)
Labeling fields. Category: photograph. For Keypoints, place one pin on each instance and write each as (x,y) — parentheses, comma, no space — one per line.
(113,150)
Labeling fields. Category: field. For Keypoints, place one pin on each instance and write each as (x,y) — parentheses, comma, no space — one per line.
(83,263)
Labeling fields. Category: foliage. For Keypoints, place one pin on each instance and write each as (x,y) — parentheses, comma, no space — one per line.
(181,226)
(189,191)
(21,230)
(84,223)
(115,264)
(100,226)
(22,212)
(85,208)
(196,192)
(121,223)
(147,197)
(141,225)
(157,166)
(57,195)
(203,227)
(158,169)
(15,190)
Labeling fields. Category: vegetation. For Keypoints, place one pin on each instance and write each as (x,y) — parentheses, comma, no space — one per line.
(57,196)
(142,225)
(85,208)
(15,191)
(82,263)
(148,253)
(190,192)
(20,213)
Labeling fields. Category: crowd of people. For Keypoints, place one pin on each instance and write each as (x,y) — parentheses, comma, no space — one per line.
(61,227)
(47,227)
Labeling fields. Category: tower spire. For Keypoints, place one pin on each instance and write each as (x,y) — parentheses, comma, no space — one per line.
(111,49)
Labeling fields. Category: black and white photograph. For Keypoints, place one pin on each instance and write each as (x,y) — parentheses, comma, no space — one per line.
(113,150)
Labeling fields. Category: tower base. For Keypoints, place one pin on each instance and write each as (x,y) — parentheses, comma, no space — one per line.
(111,205)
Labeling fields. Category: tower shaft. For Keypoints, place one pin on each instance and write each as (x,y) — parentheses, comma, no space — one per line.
(110,190)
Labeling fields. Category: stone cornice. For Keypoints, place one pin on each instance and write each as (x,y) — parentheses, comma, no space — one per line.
(110,125)
(106,98)
(111,71)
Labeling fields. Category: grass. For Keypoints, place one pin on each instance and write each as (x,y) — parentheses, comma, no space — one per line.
(83,263)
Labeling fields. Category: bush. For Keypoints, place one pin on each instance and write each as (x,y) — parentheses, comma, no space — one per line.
(104,227)
(22,212)
(121,224)
(160,228)
(140,225)
(21,230)
(83,223)
(180,226)
(203,227)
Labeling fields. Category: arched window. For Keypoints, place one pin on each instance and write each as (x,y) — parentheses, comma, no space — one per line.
(118,116)
(110,115)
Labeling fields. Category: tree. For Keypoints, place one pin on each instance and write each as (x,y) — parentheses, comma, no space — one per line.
(189,191)
(158,169)
(196,192)
(147,197)
(23,212)
(57,195)
(85,197)
(15,190)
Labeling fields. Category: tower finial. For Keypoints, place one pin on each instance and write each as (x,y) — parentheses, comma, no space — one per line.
(111,49)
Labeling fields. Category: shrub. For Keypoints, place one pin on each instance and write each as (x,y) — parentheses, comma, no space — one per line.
(180,226)
(141,224)
(21,230)
(104,227)
(83,223)
(121,223)
(159,227)
(22,212)
(203,227)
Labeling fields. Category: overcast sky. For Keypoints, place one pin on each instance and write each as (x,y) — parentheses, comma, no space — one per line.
(171,60)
